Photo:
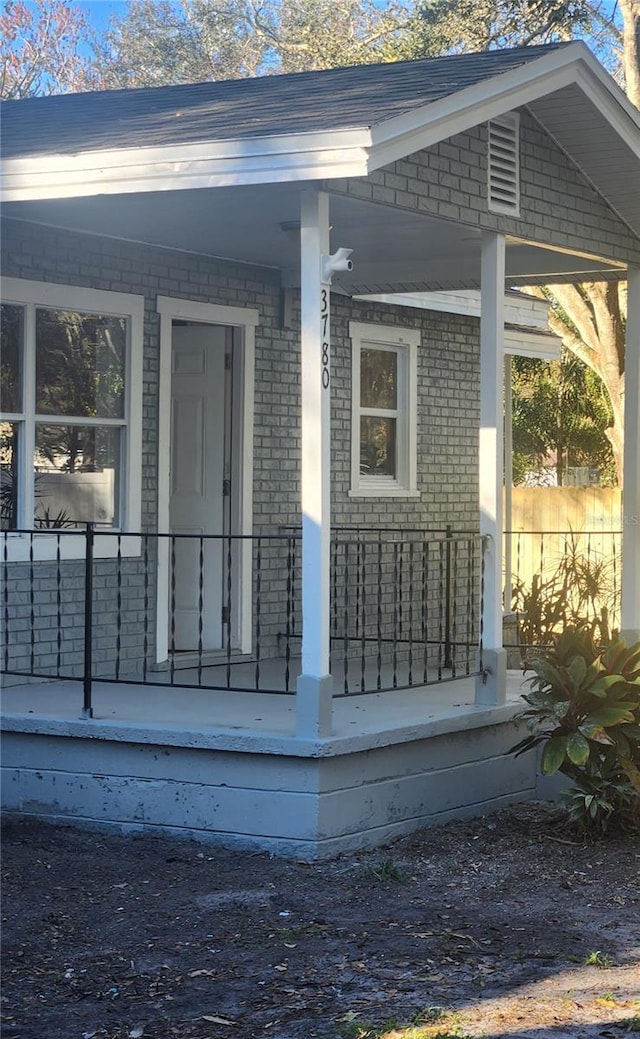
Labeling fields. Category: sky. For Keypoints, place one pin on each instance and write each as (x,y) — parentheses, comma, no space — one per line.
(98,12)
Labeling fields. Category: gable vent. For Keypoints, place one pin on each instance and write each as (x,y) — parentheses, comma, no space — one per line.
(504,164)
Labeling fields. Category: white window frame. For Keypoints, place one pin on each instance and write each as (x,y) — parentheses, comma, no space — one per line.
(404,343)
(32,295)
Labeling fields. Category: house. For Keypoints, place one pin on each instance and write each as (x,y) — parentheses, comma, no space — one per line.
(252,515)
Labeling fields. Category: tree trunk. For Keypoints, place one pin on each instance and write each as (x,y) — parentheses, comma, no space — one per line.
(630,10)
(589,320)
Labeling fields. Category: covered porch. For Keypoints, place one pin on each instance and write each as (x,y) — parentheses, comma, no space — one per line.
(348,680)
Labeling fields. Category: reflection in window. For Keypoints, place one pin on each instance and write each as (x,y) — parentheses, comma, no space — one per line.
(77,470)
(378,379)
(377,446)
(9,475)
(80,364)
(11,334)
(379,410)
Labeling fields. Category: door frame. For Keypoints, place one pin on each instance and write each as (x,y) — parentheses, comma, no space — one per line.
(243,322)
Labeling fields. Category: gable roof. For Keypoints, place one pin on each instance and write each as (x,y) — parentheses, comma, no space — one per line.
(306,102)
(317,126)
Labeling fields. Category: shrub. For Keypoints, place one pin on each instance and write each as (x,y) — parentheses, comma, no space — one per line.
(584,707)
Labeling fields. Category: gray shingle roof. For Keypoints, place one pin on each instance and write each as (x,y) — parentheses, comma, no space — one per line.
(361,96)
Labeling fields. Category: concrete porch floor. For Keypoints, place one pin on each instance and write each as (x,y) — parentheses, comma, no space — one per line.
(232,719)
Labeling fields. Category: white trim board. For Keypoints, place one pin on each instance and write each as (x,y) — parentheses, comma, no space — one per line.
(519,309)
(541,346)
(326,154)
(532,340)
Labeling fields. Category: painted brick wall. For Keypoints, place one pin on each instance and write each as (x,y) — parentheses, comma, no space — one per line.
(558,205)
(447,436)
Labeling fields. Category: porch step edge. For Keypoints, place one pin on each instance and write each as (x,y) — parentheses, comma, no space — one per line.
(468,718)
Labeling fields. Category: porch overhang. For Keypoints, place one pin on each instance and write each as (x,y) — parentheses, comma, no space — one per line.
(394,250)
(565,90)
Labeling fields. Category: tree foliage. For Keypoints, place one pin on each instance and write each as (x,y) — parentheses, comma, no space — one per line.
(41,48)
(159,43)
(560,417)
(456,26)
(186,41)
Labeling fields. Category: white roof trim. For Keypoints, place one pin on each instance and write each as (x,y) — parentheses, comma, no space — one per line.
(531,341)
(408,133)
(324,155)
(256,160)
(519,309)
(542,346)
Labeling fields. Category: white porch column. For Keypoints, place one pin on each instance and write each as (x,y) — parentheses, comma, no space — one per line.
(491,685)
(508,483)
(630,620)
(315,688)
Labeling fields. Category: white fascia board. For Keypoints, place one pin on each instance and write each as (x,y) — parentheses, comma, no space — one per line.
(396,138)
(257,160)
(520,342)
(528,311)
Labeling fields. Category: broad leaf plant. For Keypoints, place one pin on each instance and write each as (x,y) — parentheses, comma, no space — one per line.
(584,707)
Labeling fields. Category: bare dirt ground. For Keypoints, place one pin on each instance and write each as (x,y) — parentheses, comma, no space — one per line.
(506,926)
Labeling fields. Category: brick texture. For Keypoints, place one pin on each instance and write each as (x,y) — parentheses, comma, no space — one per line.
(43,614)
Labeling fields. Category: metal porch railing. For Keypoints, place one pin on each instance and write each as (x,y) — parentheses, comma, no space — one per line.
(405,609)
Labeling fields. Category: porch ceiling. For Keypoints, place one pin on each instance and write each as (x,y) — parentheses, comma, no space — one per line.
(394,251)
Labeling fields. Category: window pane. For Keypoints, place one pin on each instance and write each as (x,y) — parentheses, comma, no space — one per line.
(80,364)
(377,446)
(379,379)
(11,357)
(9,432)
(77,474)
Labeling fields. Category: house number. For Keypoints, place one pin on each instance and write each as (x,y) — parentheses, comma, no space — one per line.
(324,322)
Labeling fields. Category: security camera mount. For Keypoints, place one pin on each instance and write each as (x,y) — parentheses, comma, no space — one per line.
(337,261)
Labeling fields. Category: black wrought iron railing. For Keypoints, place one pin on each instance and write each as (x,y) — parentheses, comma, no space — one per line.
(405,608)
(223,612)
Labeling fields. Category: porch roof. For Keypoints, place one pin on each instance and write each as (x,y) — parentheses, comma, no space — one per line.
(305,102)
(317,125)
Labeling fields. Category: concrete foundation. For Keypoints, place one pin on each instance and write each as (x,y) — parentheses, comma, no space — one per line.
(270,790)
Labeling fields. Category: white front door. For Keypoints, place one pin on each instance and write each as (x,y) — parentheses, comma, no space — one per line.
(197,501)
